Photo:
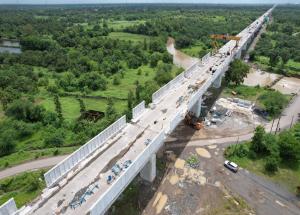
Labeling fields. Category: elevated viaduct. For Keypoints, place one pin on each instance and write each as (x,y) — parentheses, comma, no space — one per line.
(78,184)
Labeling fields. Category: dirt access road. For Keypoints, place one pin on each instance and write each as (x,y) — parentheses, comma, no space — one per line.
(204,189)
(32,165)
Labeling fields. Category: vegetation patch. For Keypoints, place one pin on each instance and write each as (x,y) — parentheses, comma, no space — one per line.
(23,188)
(274,156)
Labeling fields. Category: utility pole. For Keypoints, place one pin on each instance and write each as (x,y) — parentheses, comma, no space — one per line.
(292,121)
(277,124)
(272,126)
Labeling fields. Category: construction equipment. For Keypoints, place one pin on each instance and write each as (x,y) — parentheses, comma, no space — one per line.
(216,37)
(193,121)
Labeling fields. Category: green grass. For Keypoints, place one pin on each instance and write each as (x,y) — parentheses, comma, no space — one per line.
(136,38)
(244,92)
(193,50)
(119,25)
(2,115)
(24,187)
(287,177)
(26,156)
(293,67)
(70,108)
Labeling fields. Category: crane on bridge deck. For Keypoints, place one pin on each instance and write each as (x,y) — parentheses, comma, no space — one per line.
(226,37)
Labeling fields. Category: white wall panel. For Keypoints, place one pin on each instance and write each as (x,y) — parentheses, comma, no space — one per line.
(60,170)
(8,208)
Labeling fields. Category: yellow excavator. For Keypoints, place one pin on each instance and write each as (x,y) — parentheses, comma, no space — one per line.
(216,37)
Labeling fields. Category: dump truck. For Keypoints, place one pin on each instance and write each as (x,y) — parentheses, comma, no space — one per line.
(193,121)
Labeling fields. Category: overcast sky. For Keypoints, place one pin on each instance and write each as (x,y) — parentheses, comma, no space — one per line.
(144,1)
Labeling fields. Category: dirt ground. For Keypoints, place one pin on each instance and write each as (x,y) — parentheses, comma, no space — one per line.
(261,78)
(202,185)
(288,85)
(179,58)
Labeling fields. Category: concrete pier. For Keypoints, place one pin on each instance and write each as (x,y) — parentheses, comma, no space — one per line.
(148,173)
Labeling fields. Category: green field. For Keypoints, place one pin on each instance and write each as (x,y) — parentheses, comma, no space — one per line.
(194,50)
(119,25)
(243,92)
(129,37)
(24,187)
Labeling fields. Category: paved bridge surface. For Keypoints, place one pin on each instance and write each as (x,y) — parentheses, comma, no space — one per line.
(78,185)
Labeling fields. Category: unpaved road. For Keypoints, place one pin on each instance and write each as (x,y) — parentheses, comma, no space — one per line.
(200,191)
(32,165)
(263,195)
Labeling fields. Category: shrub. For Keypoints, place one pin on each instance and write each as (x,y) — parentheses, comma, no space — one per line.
(54,139)
(271,164)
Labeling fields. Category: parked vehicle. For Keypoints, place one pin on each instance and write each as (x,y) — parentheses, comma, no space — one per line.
(110,179)
(126,164)
(147,142)
(231,165)
(116,169)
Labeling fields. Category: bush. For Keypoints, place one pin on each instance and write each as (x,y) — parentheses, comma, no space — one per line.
(271,164)
(54,139)
(238,150)
(274,102)
(7,143)
(25,110)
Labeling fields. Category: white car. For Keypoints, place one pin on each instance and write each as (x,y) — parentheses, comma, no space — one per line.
(231,165)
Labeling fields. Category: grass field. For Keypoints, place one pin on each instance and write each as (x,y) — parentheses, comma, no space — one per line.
(285,176)
(244,92)
(25,156)
(293,67)
(23,188)
(193,50)
(119,25)
(129,37)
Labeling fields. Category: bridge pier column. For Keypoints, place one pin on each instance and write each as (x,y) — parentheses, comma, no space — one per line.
(148,173)
(217,83)
(196,109)
(238,54)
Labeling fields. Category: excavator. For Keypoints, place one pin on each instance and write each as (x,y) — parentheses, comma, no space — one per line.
(193,121)
(216,37)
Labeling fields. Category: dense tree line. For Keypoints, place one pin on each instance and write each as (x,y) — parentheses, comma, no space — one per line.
(274,149)
(281,42)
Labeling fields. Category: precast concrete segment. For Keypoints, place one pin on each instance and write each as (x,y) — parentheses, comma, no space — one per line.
(130,144)
(8,207)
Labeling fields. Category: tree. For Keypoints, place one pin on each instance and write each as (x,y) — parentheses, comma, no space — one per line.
(289,148)
(147,90)
(274,58)
(138,91)
(271,164)
(130,100)
(111,113)
(257,143)
(154,58)
(54,138)
(285,56)
(273,101)
(7,144)
(25,110)
(237,72)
